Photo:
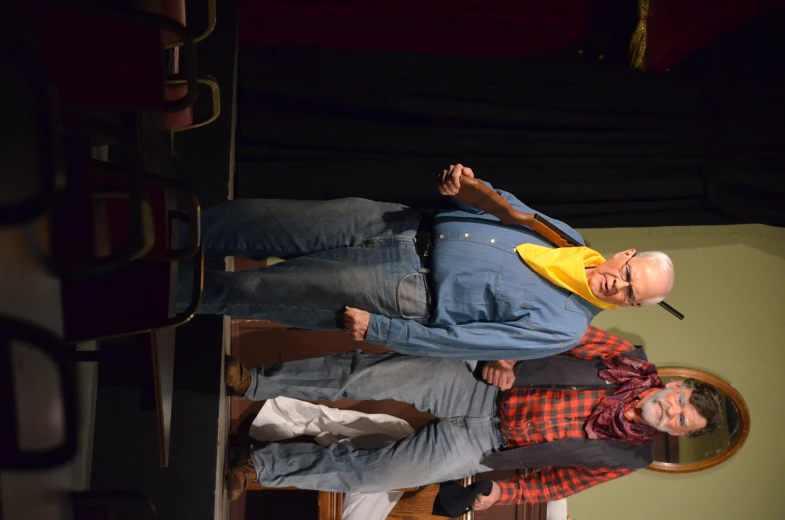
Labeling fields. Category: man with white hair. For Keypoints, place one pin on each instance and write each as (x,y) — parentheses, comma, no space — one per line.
(461,285)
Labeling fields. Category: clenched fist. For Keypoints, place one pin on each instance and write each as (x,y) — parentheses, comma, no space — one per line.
(499,373)
(356,321)
(450,180)
(486,501)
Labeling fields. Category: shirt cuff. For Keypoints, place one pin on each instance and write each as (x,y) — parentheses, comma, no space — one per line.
(378,327)
(508,493)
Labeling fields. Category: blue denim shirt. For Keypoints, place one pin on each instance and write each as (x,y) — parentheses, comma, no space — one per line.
(487,303)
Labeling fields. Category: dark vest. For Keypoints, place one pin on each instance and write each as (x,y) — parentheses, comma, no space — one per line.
(567,372)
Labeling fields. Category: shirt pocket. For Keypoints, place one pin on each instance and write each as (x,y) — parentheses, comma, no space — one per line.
(412,297)
(513,291)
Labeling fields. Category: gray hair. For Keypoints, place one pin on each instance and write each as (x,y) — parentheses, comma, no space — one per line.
(664,265)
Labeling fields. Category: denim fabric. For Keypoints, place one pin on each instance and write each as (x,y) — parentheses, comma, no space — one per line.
(486,302)
(449,448)
(351,252)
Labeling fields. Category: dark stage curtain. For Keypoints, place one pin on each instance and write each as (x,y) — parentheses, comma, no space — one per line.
(742,80)
(594,144)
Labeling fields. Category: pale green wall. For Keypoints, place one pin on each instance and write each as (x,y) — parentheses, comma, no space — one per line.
(730,284)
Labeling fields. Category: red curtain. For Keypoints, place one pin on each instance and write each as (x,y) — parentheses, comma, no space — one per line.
(495,28)
(499,28)
(678,28)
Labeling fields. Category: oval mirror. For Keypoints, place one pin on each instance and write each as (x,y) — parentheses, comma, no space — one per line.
(684,455)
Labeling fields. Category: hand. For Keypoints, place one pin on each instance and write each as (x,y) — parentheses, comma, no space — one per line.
(485,501)
(450,180)
(499,373)
(356,321)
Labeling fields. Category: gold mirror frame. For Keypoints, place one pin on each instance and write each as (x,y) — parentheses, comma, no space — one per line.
(744,417)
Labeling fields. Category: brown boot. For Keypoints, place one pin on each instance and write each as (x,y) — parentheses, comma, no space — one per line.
(239,477)
(237,376)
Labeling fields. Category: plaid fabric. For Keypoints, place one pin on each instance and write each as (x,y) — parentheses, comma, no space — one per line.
(539,415)
(598,343)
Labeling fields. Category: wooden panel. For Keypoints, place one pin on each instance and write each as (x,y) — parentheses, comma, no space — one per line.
(237,509)
(270,344)
(243,264)
(416,505)
(330,506)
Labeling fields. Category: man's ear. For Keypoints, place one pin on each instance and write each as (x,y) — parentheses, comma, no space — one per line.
(674,384)
(625,254)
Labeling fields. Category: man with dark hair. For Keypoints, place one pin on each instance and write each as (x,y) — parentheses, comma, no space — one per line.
(584,417)
(706,400)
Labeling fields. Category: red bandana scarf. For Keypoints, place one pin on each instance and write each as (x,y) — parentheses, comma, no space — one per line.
(607,421)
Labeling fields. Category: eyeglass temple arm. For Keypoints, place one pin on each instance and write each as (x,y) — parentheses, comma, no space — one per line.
(476,193)
(670,309)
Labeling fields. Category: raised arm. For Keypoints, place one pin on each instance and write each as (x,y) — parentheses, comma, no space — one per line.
(450,185)
(479,197)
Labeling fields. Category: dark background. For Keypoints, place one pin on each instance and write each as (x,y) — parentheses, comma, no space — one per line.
(593,142)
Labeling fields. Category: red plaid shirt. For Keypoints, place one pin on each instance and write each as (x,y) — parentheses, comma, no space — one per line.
(538,415)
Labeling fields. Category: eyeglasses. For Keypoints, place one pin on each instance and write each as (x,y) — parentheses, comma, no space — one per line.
(626,276)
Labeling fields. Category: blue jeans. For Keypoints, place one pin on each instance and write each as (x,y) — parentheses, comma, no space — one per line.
(452,447)
(342,252)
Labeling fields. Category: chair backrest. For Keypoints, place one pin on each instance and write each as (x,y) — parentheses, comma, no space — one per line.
(101,62)
(30,140)
(13,456)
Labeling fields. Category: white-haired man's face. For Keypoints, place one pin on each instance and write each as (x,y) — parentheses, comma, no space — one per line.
(627,280)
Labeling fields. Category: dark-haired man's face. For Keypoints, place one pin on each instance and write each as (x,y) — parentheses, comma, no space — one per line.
(669,410)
